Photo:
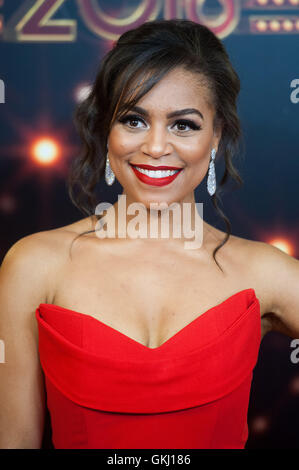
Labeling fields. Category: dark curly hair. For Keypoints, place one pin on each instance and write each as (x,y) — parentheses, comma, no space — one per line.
(139,59)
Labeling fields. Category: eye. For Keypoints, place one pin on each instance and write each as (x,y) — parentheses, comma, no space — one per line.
(129,118)
(187,122)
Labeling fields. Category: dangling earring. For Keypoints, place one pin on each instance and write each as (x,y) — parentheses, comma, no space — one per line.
(109,175)
(212,175)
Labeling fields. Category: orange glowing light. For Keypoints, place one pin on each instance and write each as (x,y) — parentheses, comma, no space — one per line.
(45,151)
(283,245)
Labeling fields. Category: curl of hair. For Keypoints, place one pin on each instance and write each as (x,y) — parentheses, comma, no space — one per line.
(139,59)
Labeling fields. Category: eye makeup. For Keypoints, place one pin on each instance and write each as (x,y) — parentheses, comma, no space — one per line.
(184,122)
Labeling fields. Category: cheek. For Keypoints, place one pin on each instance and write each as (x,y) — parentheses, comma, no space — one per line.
(120,144)
(196,151)
(197,155)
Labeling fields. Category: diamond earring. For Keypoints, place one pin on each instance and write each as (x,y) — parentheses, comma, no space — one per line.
(109,175)
(212,175)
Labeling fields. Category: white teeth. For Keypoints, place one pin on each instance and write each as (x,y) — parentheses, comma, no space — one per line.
(156,173)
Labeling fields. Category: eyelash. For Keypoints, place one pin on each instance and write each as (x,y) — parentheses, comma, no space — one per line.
(187,122)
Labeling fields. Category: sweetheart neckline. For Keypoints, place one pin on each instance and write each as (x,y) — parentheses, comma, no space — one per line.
(128,338)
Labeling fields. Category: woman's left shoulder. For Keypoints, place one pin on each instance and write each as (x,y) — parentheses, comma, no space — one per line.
(277,275)
(268,257)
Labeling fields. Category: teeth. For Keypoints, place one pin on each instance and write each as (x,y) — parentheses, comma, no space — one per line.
(156,173)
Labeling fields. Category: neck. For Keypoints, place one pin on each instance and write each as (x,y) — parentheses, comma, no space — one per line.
(179,222)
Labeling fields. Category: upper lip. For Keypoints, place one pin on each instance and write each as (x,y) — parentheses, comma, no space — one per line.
(150,167)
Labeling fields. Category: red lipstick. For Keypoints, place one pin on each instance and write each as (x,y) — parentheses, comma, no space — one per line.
(155,181)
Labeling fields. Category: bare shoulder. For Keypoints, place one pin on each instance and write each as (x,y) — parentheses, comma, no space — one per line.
(36,248)
(272,267)
(50,243)
(276,276)
(35,258)
(235,247)
(78,227)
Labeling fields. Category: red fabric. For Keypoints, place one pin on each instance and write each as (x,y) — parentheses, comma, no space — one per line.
(108,391)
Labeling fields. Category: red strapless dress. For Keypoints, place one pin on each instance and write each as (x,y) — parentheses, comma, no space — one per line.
(108,391)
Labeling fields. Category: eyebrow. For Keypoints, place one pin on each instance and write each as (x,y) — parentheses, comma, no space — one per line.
(179,112)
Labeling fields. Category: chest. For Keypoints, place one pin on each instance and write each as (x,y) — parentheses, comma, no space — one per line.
(148,296)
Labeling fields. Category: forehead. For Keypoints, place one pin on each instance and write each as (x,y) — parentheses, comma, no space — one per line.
(177,90)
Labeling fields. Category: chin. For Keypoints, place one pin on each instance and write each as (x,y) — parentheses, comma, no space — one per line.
(158,199)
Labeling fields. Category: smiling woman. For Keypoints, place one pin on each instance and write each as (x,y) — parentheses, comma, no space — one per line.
(165,67)
(140,343)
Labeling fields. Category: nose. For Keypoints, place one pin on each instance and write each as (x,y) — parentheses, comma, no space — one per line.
(156,142)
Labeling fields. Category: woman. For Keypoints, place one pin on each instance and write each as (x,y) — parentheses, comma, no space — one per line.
(140,342)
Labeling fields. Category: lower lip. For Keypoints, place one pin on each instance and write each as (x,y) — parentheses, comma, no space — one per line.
(155,181)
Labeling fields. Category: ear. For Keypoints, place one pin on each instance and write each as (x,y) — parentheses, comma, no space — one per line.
(217,135)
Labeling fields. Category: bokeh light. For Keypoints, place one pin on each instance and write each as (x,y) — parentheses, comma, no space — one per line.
(283,244)
(45,151)
(294,385)
(7,203)
(259,424)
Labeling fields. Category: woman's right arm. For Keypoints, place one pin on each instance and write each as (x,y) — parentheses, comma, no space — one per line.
(24,283)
